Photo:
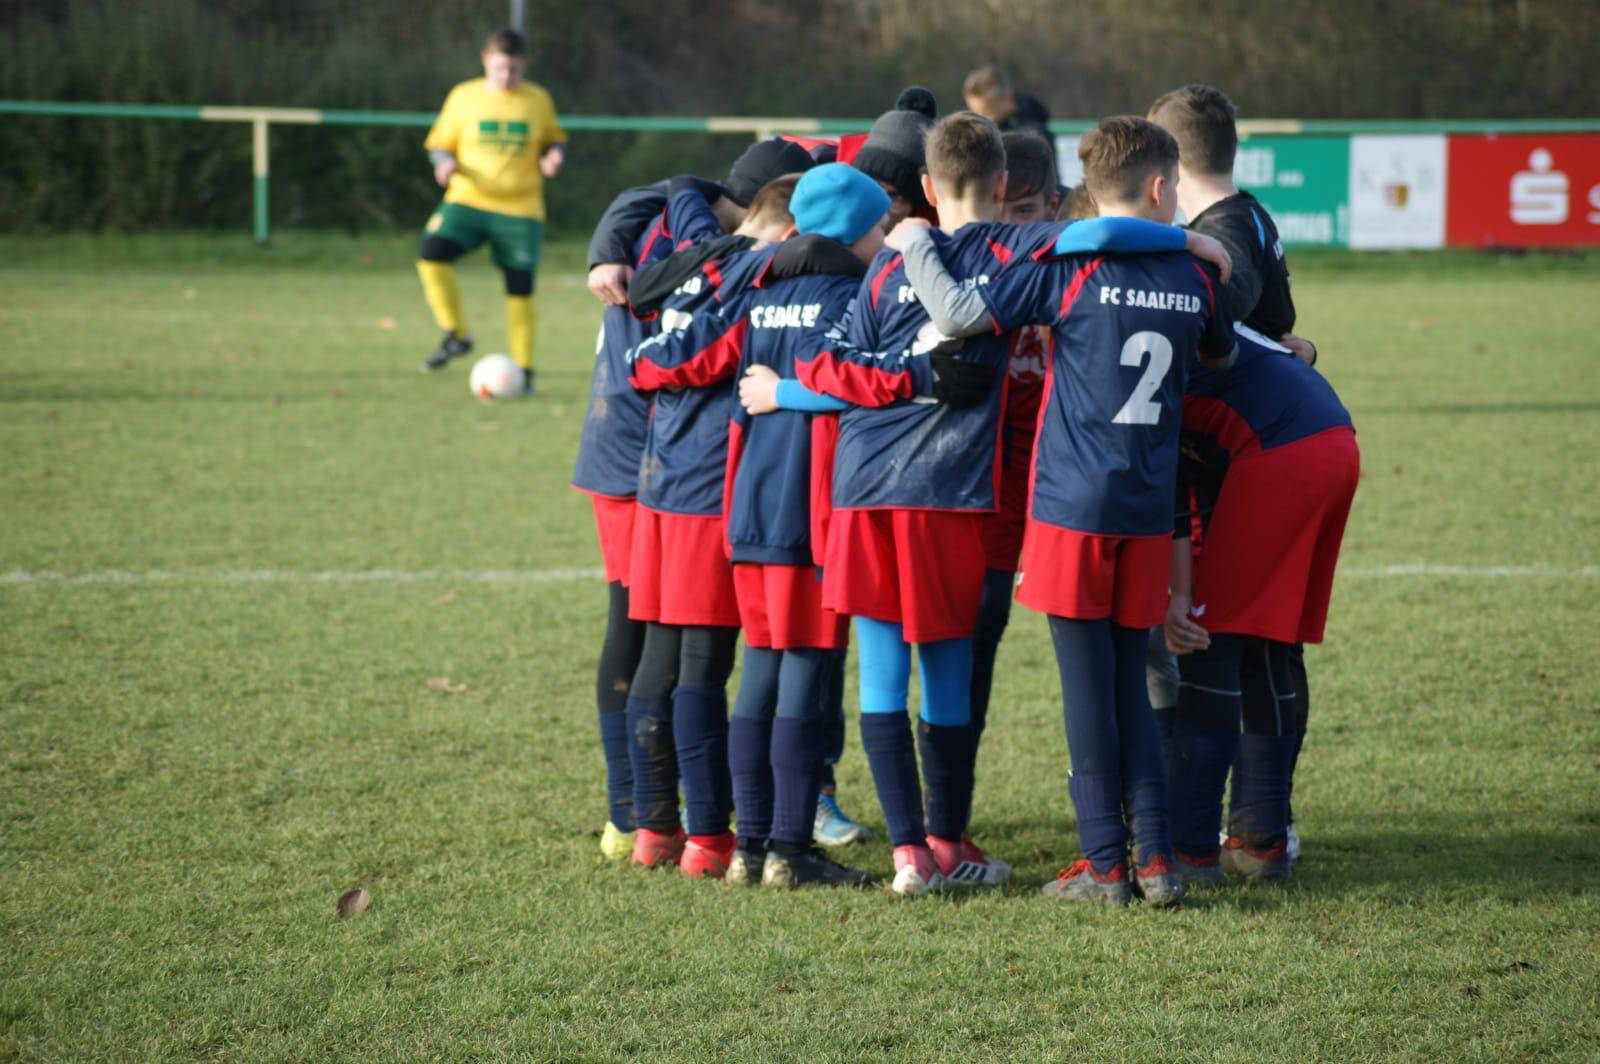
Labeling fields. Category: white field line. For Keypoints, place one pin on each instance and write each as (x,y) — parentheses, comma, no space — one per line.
(305,576)
(1579,572)
(560,576)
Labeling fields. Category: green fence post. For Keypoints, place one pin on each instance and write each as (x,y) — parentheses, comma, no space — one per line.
(259,165)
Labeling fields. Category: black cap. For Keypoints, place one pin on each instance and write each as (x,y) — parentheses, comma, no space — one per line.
(762,162)
(893,152)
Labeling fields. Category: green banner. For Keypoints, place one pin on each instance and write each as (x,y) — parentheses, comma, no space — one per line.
(1304,182)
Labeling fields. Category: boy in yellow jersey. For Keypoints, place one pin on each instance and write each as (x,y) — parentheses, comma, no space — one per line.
(495,141)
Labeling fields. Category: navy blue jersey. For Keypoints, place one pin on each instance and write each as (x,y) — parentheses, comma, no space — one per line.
(914,453)
(804,297)
(1126,327)
(689,365)
(1266,399)
(614,426)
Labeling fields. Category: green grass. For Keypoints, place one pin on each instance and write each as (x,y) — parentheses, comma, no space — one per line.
(196,765)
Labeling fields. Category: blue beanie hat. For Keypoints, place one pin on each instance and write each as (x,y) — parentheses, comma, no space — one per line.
(838,202)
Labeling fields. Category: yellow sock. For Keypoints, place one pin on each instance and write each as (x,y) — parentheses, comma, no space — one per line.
(521,317)
(443,294)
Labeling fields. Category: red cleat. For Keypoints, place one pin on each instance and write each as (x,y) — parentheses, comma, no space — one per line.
(652,849)
(707,856)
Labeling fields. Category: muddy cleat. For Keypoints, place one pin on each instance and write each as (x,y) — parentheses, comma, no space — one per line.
(964,864)
(1197,869)
(832,827)
(915,872)
(1082,883)
(707,856)
(654,849)
(527,382)
(450,346)
(1158,883)
(1292,844)
(1254,863)
(785,870)
(745,868)
(615,844)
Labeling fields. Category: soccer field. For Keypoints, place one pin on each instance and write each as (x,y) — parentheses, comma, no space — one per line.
(283,616)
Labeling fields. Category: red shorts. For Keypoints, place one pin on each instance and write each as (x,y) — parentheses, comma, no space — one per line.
(613,522)
(1002,530)
(1089,577)
(780,607)
(1266,566)
(680,572)
(922,569)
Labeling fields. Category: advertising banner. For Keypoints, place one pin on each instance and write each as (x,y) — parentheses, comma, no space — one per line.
(1525,190)
(1397,188)
(1304,182)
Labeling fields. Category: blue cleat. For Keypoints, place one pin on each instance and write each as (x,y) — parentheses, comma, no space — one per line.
(832,827)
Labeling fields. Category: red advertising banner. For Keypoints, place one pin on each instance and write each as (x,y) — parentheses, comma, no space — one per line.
(1525,190)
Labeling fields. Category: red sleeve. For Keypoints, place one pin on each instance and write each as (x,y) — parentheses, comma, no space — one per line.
(658,362)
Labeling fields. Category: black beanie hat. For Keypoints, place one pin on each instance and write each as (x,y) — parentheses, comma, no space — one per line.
(764,161)
(893,149)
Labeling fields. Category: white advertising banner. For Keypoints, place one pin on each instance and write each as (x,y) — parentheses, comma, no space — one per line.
(1397,191)
(1069,170)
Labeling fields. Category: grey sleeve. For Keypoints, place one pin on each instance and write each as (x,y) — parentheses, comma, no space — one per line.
(439,155)
(954,310)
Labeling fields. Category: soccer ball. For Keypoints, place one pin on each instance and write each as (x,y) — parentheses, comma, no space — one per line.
(498,377)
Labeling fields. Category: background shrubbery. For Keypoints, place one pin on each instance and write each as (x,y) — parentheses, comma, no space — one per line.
(1363,59)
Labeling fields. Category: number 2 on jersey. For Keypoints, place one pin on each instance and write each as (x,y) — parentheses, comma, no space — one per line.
(1141,407)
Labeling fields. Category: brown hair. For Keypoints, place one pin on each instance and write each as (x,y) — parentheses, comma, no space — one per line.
(964,149)
(1030,166)
(1121,154)
(507,42)
(1077,203)
(986,83)
(1201,119)
(771,205)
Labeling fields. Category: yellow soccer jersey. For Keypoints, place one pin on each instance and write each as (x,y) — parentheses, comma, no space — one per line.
(497,138)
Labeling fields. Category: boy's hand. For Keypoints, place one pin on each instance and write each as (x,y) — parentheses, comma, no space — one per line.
(1209,249)
(608,282)
(442,171)
(551,161)
(1184,635)
(902,234)
(1303,349)
(758,390)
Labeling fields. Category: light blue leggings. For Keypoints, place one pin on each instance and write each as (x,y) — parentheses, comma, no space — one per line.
(944,669)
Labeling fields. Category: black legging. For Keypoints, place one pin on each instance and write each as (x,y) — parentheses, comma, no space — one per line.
(672,655)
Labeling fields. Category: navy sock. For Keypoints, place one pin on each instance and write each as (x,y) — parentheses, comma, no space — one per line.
(1259,811)
(994,613)
(797,749)
(700,733)
(655,764)
(833,725)
(1196,776)
(1144,798)
(619,769)
(1097,801)
(749,763)
(892,756)
(946,777)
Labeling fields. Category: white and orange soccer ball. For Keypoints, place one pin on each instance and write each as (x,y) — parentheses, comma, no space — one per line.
(498,377)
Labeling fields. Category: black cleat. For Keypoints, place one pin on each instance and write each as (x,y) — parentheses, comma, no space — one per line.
(786,870)
(452,346)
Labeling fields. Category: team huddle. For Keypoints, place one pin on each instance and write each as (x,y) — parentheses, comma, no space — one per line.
(867,386)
